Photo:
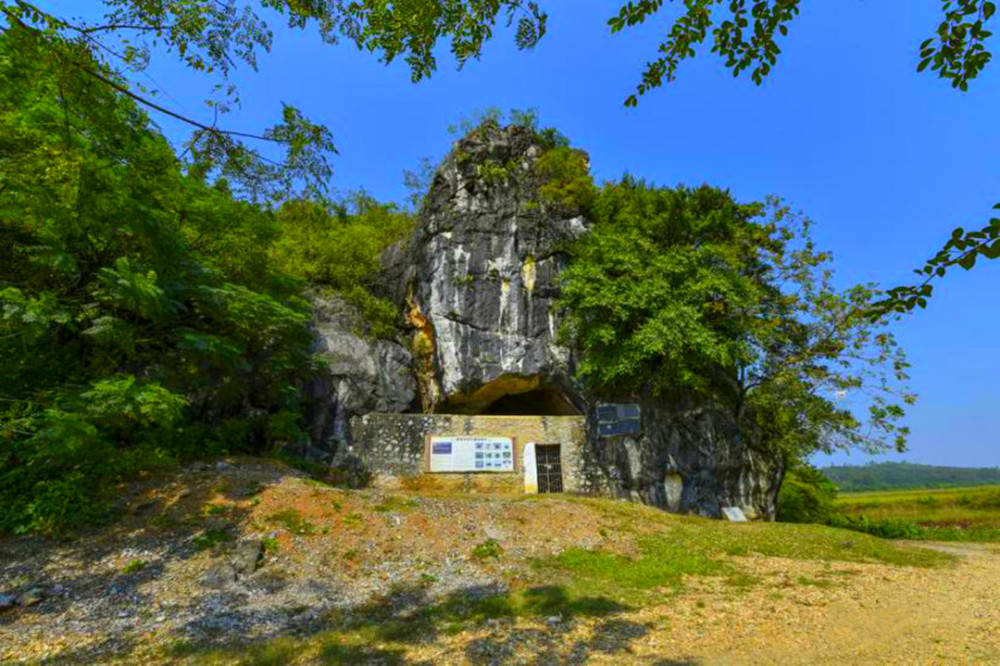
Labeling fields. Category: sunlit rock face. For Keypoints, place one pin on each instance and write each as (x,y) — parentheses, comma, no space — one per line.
(478,283)
(479,278)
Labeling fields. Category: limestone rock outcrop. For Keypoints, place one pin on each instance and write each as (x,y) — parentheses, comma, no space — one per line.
(361,375)
(478,283)
(479,277)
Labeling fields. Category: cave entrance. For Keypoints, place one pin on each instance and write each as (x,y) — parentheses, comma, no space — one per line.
(539,402)
(511,395)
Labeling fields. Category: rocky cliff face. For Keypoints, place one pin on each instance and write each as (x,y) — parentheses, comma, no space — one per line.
(479,277)
(478,283)
(361,376)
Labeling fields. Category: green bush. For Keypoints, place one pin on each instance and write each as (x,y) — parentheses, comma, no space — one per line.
(887,528)
(566,183)
(340,248)
(806,496)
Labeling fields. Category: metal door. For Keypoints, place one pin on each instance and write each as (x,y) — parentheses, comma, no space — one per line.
(549,463)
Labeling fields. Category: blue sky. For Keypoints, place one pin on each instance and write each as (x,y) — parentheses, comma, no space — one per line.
(885,161)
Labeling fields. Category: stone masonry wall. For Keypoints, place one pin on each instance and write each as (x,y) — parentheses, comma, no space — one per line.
(391,449)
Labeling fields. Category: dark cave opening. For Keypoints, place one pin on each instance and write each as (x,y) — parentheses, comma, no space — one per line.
(538,402)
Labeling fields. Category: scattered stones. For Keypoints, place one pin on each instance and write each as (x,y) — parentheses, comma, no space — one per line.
(219,576)
(248,556)
(31,597)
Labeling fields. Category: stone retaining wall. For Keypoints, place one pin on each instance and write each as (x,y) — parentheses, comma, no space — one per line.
(391,448)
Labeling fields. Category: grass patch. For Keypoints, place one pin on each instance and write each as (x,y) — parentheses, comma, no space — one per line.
(271,545)
(634,581)
(211,538)
(815,582)
(292,521)
(353,519)
(712,539)
(487,550)
(395,505)
(210,510)
(134,567)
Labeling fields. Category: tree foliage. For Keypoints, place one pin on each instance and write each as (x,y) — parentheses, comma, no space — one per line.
(141,316)
(681,288)
(339,248)
(746,35)
(214,37)
(806,496)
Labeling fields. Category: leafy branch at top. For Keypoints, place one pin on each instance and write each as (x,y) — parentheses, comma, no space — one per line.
(963,249)
(214,37)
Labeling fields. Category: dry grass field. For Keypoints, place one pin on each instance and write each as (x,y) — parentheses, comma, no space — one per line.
(952,514)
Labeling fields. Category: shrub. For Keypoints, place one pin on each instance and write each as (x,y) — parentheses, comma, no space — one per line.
(565,180)
(888,528)
(488,549)
(806,496)
(340,247)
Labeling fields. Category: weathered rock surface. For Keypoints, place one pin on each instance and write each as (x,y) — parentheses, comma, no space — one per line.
(479,276)
(219,576)
(362,375)
(248,556)
(478,282)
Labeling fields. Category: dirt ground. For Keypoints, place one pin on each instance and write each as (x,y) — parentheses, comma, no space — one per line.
(856,614)
(99,607)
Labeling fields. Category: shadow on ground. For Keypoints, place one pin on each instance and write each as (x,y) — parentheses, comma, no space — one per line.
(92,587)
(385,630)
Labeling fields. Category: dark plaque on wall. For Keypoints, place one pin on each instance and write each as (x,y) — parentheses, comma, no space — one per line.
(617,419)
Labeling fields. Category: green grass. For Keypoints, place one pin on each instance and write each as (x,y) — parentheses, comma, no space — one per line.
(486,550)
(134,567)
(631,581)
(395,505)
(717,538)
(212,537)
(953,514)
(293,522)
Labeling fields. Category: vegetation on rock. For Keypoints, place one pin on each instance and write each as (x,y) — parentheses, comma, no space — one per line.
(730,306)
(806,496)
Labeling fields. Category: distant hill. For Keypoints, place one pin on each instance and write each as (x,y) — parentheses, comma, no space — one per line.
(902,475)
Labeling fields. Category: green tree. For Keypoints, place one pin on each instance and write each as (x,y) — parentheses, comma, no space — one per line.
(806,496)
(679,290)
(213,37)
(140,316)
(339,248)
(746,35)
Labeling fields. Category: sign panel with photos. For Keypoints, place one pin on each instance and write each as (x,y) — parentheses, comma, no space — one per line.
(471,454)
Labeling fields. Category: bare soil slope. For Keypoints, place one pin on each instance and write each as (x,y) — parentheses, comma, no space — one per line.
(354,577)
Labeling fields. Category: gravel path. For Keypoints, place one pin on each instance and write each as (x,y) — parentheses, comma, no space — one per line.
(800,613)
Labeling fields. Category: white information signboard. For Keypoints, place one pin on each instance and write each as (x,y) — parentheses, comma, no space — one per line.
(471,454)
(734,514)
